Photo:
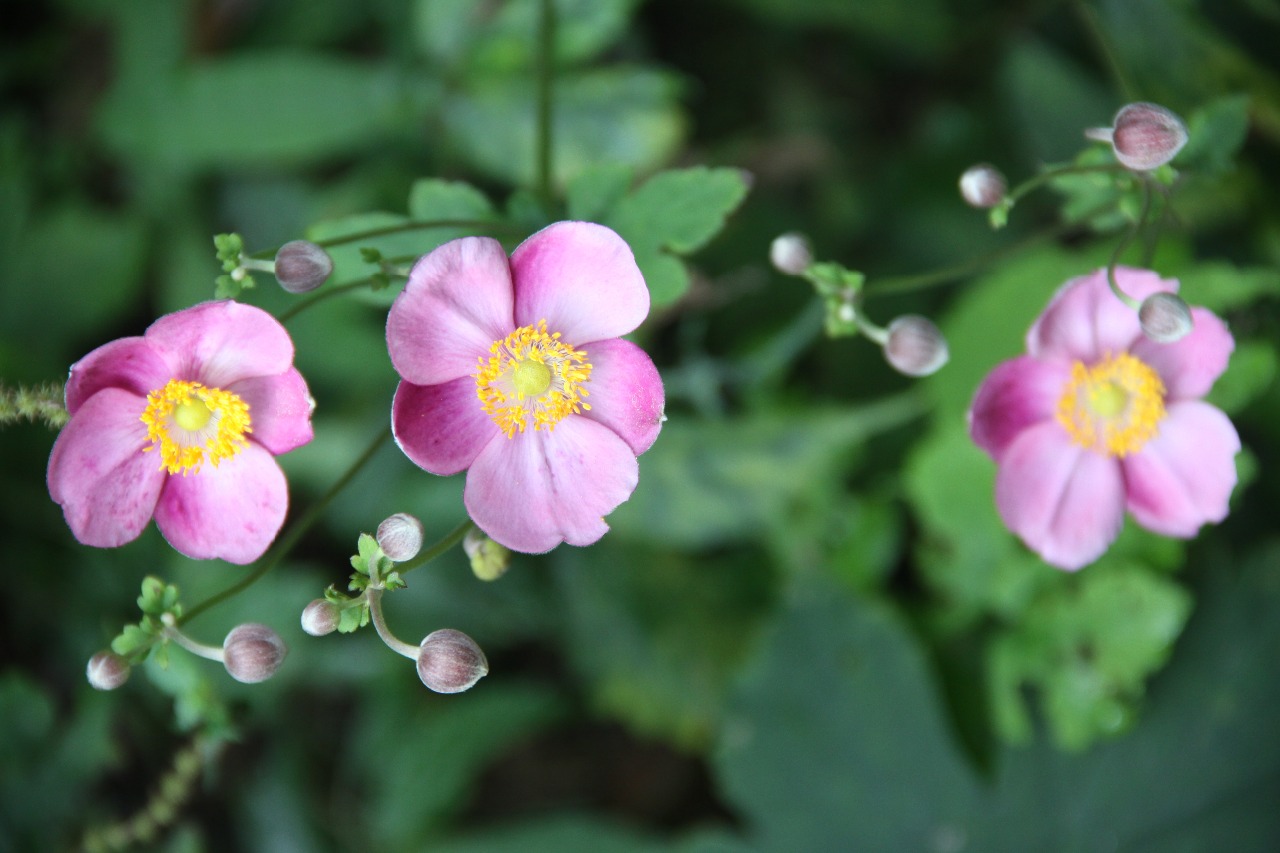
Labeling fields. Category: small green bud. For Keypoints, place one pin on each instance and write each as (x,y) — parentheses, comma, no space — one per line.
(321,617)
(107,671)
(489,560)
(915,346)
(302,266)
(400,537)
(253,652)
(450,662)
(791,253)
(1165,318)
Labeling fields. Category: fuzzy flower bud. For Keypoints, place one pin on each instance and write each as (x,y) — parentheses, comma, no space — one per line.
(320,617)
(983,186)
(791,253)
(1165,318)
(107,671)
(400,537)
(302,266)
(489,560)
(915,346)
(1144,136)
(450,662)
(253,652)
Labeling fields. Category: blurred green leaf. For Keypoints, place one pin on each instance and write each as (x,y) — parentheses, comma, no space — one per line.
(1053,97)
(1222,286)
(432,198)
(919,30)
(553,835)
(1215,133)
(594,191)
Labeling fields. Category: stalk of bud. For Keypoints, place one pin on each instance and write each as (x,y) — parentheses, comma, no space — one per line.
(1165,318)
(321,617)
(791,253)
(983,186)
(302,266)
(450,662)
(107,671)
(253,652)
(915,346)
(400,537)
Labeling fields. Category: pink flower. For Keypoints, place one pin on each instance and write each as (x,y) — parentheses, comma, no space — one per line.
(183,424)
(1097,419)
(514,371)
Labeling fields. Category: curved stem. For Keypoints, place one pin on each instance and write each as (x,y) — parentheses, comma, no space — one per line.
(322,295)
(453,537)
(546,71)
(1039,180)
(203,650)
(374,596)
(1124,244)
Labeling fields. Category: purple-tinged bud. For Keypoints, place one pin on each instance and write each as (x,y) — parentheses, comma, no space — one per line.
(915,346)
(302,266)
(1143,136)
(253,652)
(791,253)
(983,186)
(107,671)
(1165,318)
(489,560)
(450,662)
(321,617)
(400,537)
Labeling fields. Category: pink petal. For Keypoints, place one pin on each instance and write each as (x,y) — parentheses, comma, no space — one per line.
(1184,476)
(1189,367)
(219,343)
(127,363)
(625,392)
(1066,502)
(231,511)
(441,428)
(582,279)
(279,410)
(1017,395)
(1085,320)
(97,471)
(534,491)
(457,303)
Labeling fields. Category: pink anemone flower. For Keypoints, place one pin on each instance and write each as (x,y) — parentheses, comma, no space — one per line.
(514,370)
(1096,419)
(183,424)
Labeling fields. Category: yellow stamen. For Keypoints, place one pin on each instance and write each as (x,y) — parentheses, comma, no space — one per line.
(1113,407)
(532,378)
(192,424)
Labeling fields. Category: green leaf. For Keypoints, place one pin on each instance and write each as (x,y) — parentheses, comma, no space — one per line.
(432,198)
(594,191)
(679,210)
(1222,286)
(1215,134)
(556,834)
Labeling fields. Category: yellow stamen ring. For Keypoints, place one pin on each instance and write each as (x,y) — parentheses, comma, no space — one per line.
(1113,407)
(532,378)
(192,424)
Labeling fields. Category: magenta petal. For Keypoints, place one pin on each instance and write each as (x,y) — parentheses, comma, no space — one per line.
(279,410)
(97,471)
(625,392)
(534,491)
(1066,502)
(458,301)
(1183,477)
(1018,394)
(1189,367)
(231,511)
(1085,321)
(441,428)
(582,279)
(127,363)
(218,343)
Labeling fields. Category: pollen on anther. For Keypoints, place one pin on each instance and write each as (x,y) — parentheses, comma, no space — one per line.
(516,397)
(192,424)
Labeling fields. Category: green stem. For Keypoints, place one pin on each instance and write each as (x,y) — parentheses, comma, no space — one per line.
(1042,178)
(1089,18)
(453,537)
(374,596)
(546,71)
(1124,244)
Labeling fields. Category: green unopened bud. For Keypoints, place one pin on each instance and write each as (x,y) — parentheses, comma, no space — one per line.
(791,253)
(253,652)
(302,266)
(450,662)
(1143,136)
(321,617)
(983,186)
(915,346)
(107,671)
(400,537)
(489,560)
(1165,318)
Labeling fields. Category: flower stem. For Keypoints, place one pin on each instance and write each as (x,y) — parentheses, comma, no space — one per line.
(374,596)
(426,555)
(203,650)
(546,72)
(1124,244)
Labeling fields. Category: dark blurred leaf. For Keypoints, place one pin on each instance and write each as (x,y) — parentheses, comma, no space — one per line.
(1215,134)
(1053,98)
(594,191)
(553,835)
(918,29)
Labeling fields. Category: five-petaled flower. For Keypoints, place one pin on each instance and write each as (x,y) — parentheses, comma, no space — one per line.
(1097,419)
(183,424)
(514,370)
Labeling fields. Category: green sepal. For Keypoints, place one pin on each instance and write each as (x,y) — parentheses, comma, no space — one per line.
(998,216)
(353,618)
(370,255)
(392,580)
(158,597)
(230,247)
(133,644)
(832,279)
(225,287)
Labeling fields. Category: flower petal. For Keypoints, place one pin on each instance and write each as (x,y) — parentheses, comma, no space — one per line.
(1017,395)
(541,488)
(1085,320)
(457,303)
(128,363)
(441,428)
(582,279)
(279,410)
(1190,366)
(231,511)
(1066,502)
(219,343)
(97,471)
(1183,477)
(625,392)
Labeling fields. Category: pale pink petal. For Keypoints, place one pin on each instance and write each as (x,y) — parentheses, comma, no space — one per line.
(441,428)
(128,363)
(1183,477)
(625,392)
(582,279)
(99,474)
(1189,367)
(1066,502)
(231,511)
(1018,394)
(218,343)
(540,488)
(1085,321)
(458,301)
(279,410)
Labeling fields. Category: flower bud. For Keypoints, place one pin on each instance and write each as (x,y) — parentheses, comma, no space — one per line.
(450,662)
(253,652)
(1165,318)
(1143,136)
(302,266)
(791,253)
(107,671)
(983,186)
(915,346)
(321,617)
(400,537)
(489,560)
